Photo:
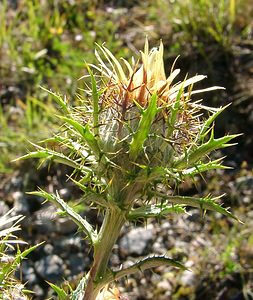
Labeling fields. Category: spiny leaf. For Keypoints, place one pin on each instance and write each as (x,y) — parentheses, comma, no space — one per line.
(78,293)
(59,291)
(174,111)
(148,173)
(91,196)
(143,129)
(192,156)
(9,268)
(81,222)
(95,98)
(58,99)
(154,211)
(58,157)
(76,147)
(142,265)
(203,167)
(85,133)
(209,122)
(206,203)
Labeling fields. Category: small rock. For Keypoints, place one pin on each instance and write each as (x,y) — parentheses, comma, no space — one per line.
(65,193)
(188,278)
(38,291)
(65,226)
(137,241)
(3,208)
(164,285)
(76,264)
(21,205)
(48,248)
(158,246)
(244,182)
(16,183)
(29,275)
(50,268)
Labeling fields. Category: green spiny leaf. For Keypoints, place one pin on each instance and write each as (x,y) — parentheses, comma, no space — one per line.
(10,268)
(91,195)
(203,167)
(78,293)
(86,134)
(206,203)
(205,127)
(95,98)
(154,211)
(191,156)
(143,129)
(58,157)
(142,265)
(174,111)
(59,291)
(58,99)
(81,222)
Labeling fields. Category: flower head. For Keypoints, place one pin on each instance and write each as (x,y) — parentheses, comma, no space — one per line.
(132,83)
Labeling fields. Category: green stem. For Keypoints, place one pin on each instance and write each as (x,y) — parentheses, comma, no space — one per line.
(108,235)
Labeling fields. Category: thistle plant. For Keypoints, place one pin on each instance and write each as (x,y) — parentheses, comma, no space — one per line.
(11,257)
(131,143)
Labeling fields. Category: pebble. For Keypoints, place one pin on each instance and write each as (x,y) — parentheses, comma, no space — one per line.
(137,241)
(188,278)
(21,205)
(50,268)
(3,208)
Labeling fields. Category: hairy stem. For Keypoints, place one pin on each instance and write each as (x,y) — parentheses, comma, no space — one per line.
(108,235)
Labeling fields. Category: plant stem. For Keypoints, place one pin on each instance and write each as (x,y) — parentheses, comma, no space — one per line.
(108,235)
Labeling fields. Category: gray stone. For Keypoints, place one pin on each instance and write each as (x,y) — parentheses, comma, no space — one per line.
(29,274)
(137,241)
(244,182)
(21,205)
(188,278)
(16,182)
(50,268)
(3,208)
(76,264)
(65,225)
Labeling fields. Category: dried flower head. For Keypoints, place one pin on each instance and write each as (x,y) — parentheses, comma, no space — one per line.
(128,84)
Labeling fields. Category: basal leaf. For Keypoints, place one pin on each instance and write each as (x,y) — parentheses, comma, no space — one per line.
(140,266)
